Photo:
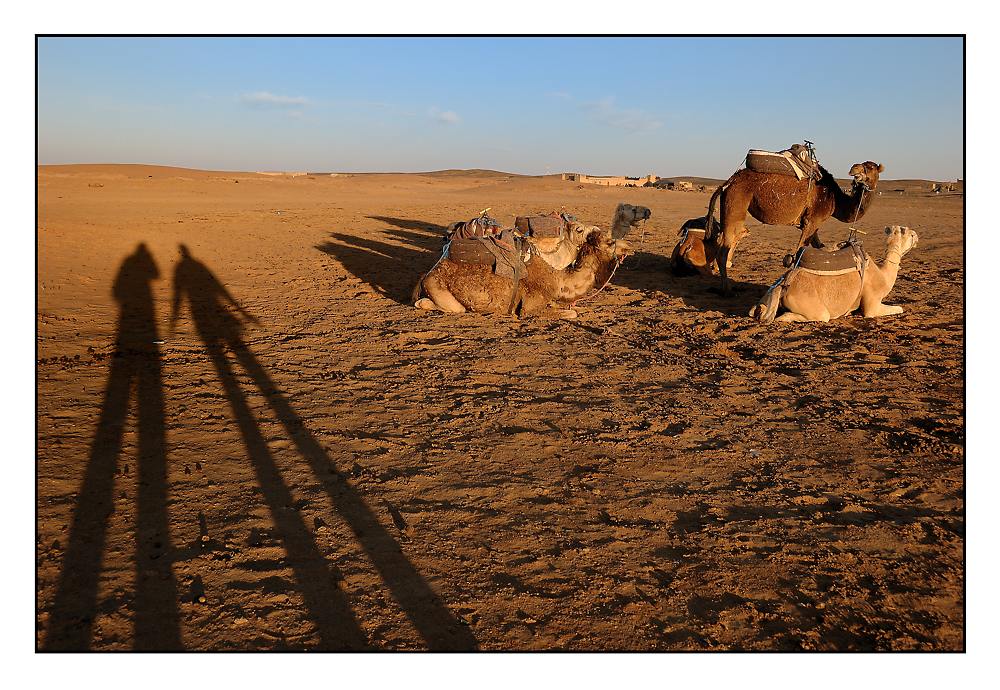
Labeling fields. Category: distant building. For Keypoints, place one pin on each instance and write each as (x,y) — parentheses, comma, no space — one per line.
(612,181)
(679,185)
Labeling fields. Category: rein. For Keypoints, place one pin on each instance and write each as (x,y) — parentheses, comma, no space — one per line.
(857,212)
(618,262)
(642,235)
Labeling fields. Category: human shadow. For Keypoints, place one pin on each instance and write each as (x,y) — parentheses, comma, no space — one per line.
(421,226)
(136,364)
(215,314)
(392,269)
(653,273)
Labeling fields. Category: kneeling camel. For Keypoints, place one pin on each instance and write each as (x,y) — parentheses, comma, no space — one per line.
(459,287)
(811,297)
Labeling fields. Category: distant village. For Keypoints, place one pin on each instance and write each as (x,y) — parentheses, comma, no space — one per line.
(623,181)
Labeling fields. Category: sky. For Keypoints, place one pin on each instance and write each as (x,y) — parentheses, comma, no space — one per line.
(602,106)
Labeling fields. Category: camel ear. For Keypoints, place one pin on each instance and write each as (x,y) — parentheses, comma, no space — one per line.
(881,167)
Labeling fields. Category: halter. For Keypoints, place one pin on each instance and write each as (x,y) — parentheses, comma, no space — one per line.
(898,251)
(854,231)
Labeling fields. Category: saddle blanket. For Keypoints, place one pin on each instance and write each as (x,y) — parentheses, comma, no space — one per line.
(505,254)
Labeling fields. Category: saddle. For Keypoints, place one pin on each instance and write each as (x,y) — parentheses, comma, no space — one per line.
(796,161)
(506,253)
(482,226)
(850,258)
(541,226)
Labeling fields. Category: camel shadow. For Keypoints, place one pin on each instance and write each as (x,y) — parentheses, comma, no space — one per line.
(391,267)
(136,365)
(217,319)
(652,273)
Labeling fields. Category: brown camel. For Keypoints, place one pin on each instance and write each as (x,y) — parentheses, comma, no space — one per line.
(460,287)
(775,199)
(693,254)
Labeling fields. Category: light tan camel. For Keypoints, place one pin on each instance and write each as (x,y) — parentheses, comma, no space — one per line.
(811,297)
(627,217)
(460,287)
(560,252)
(775,199)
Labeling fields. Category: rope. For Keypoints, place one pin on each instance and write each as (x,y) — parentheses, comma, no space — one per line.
(857,212)
(594,294)
(642,235)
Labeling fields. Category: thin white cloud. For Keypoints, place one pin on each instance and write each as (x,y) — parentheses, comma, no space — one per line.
(266,99)
(630,119)
(445,117)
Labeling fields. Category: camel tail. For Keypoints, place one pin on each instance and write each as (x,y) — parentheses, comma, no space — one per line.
(418,290)
(765,310)
(709,230)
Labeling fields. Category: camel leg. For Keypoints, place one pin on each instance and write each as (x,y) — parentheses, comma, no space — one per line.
(880,309)
(730,238)
(808,236)
(441,297)
(791,316)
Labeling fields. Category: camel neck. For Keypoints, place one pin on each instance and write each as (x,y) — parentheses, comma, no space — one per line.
(590,269)
(852,207)
(899,256)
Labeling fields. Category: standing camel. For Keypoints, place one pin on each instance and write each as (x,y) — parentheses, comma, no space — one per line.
(775,199)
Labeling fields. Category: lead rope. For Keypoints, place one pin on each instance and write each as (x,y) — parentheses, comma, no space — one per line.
(642,235)
(618,262)
(854,231)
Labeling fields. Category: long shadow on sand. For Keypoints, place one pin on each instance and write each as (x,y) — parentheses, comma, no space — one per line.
(652,273)
(392,269)
(136,364)
(216,315)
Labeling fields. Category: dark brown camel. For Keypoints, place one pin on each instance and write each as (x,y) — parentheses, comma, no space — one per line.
(784,200)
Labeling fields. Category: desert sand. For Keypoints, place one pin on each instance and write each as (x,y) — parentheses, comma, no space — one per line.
(308,462)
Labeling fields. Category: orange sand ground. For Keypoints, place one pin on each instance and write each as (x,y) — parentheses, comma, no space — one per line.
(350,472)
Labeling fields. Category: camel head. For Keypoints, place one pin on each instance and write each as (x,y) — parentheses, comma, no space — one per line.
(602,244)
(626,217)
(900,238)
(578,232)
(866,174)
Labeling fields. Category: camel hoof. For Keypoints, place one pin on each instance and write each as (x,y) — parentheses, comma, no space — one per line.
(568,314)
(425,303)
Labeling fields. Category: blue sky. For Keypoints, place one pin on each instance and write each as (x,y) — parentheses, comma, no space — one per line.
(669,106)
